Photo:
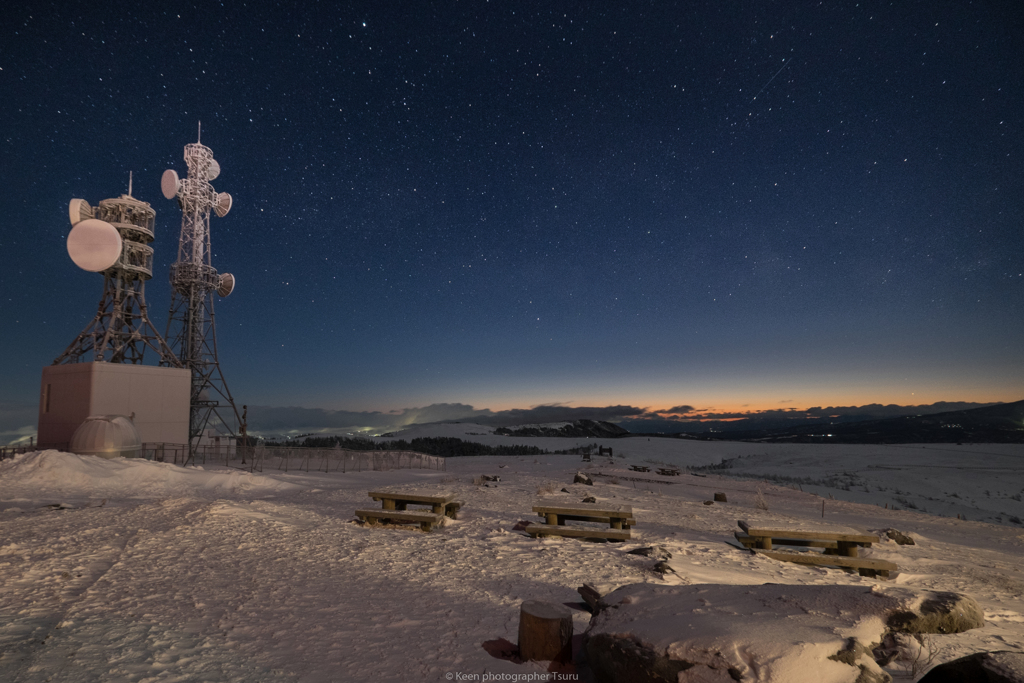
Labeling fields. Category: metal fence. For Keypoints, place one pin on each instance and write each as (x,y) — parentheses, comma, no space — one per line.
(11,451)
(176,453)
(340,460)
(260,458)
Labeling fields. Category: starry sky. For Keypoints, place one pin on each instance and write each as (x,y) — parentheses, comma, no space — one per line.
(498,206)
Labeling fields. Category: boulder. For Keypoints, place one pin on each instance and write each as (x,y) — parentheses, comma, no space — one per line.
(592,593)
(590,499)
(581,478)
(721,498)
(658,552)
(646,633)
(856,655)
(983,667)
(622,660)
(938,613)
(898,536)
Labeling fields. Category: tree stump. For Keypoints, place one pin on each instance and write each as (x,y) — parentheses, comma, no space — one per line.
(545,631)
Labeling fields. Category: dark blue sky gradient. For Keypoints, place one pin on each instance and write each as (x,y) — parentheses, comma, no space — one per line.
(511,204)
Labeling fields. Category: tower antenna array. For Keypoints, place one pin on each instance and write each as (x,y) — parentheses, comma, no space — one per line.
(190,327)
(113,238)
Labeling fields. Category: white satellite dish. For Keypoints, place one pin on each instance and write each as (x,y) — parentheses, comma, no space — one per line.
(213,171)
(79,210)
(223,205)
(169,183)
(94,245)
(226,284)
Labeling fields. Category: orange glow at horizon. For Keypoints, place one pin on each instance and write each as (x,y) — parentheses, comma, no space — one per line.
(752,407)
(736,396)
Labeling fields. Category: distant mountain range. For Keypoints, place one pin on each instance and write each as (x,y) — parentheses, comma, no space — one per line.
(991,423)
(1000,423)
(575,429)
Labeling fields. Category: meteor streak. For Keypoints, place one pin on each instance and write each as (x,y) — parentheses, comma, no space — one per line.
(771,79)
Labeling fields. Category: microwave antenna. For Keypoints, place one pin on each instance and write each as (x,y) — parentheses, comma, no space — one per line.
(113,239)
(190,328)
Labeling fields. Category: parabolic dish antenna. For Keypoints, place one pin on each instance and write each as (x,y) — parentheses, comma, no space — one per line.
(79,210)
(213,171)
(223,205)
(169,183)
(94,245)
(226,284)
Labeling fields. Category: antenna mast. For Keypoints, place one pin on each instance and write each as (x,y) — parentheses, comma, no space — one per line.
(113,238)
(190,328)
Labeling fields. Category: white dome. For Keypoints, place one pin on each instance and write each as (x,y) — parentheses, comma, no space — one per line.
(108,436)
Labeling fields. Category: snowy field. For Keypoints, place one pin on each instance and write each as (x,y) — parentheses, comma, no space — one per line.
(141,571)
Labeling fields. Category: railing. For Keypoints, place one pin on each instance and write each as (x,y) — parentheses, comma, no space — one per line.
(176,453)
(340,460)
(11,451)
(259,458)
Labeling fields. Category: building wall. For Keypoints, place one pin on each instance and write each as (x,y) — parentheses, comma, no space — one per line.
(159,397)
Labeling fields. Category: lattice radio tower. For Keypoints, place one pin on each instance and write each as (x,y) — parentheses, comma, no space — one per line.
(113,238)
(190,327)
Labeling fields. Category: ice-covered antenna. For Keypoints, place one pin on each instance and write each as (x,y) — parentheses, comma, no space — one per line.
(194,280)
(114,239)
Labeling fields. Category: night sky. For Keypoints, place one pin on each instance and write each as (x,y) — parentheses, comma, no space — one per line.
(723,206)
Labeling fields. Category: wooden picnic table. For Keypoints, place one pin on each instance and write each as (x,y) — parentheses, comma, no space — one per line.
(440,503)
(619,520)
(841,546)
(395,504)
(639,468)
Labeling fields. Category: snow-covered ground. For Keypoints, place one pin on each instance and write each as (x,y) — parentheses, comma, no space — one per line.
(138,571)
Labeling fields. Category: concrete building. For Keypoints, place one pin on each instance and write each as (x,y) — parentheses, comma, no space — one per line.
(157,396)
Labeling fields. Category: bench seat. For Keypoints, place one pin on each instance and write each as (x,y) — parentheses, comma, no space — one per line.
(542,530)
(426,520)
(751,541)
(412,496)
(586,509)
(864,566)
(626,523)
(452,508)
(811,534)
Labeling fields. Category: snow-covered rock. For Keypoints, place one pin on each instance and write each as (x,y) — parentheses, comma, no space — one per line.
(768,634)
(581,478)
(989,667)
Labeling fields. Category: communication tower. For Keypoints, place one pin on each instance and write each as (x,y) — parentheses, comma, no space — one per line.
(113,239)
(190,327)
